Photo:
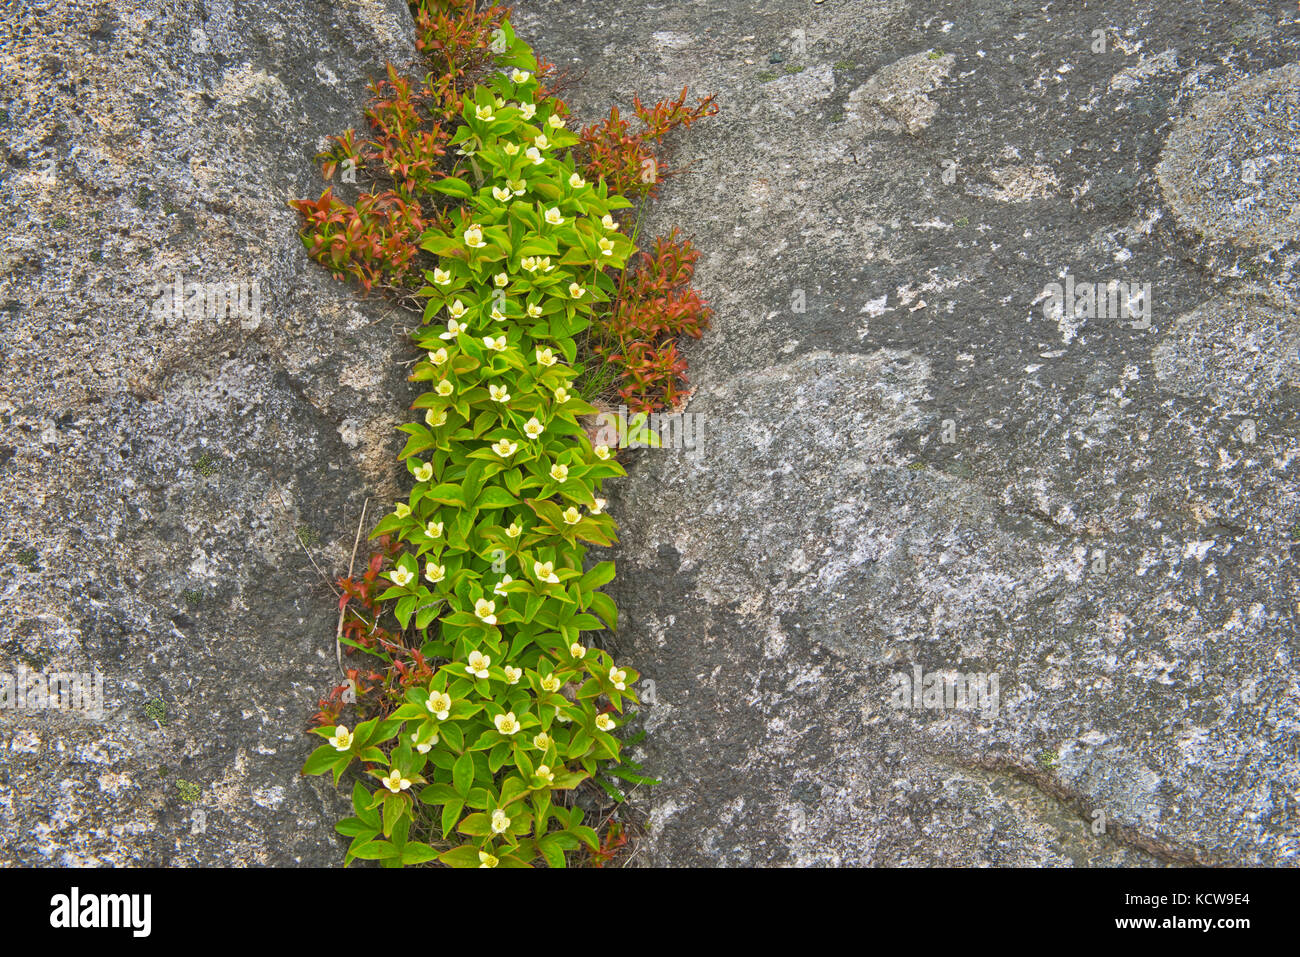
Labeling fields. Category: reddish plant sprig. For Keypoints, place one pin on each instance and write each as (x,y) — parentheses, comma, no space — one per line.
(655,307)
(625,159)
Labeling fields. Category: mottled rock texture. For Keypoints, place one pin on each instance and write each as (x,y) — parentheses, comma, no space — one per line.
(910,459)
(163,479)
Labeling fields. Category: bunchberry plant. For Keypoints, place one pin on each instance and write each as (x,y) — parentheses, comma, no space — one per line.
(487,702)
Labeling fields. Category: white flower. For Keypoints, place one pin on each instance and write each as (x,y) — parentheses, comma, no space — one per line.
(551,683)
(602,452)
(599,507)
(576,181)
(571,516)
(604,722)
(433,529)
(517,186)
(401,576)
(438,357)
(555,121)
(542,741)
(445,388)
(512,149)
(483,112)
(498,393)
(501,279)
(474,237)
(513,674)
(457,309)
(535,155)
(606,246)
(528,110)
(434,573)
(554,217)
(395,782)
(478,665)
(534,310)
(608,221)
(618,678)
(500,823)
(497,314)
(486,860)
(529,263)
(341,739)
(496,345)
(500,588)
(424,747)
(454,328)
(500,194)
(560,472)
(514,530)
(439,705)
(540,141)
(506,723)
(504,448)
(577,651)
(545,357)
(424,472)
(561,395)
(485,610)
(520,76)
(545,773)
(442,276)
(533,429)
(576,291)
(436,417)
(545,572)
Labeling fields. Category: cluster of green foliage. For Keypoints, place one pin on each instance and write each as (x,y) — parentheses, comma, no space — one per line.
(489,548)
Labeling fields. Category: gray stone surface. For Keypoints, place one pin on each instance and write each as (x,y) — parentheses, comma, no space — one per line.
(1111,529)
(158,473)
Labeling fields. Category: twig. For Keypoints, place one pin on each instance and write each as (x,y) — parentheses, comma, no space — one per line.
(338,632)
(297,535)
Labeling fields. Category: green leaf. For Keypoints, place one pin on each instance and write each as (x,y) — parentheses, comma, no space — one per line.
(417,853)
(600,574)
(494,496)
(376,851)
(552,850)
(395,806)
(355,827)
(586,835)
(462,774)
(604,606)
(361,804)
(447,494)
(322,759)
(464,856)
(450,815)
(453,187)
(477,824)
